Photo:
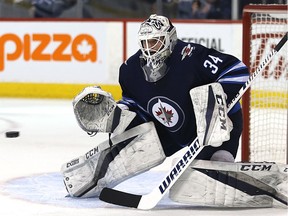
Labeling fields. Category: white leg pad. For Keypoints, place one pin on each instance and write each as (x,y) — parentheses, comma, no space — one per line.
(197,188)
(105,169)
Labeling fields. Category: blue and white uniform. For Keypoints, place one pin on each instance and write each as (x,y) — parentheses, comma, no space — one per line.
(167,102)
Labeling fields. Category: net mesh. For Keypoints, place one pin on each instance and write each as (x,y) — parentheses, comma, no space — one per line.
(269,93)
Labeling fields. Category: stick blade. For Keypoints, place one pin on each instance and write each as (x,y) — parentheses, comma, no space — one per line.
(115,197)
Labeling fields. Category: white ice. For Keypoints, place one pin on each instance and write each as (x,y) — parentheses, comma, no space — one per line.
(30,182)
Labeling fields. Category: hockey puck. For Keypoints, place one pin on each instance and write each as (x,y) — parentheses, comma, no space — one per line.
(12,134)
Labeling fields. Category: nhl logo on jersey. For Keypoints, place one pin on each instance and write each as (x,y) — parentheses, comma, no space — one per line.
(167,112)
(187,51)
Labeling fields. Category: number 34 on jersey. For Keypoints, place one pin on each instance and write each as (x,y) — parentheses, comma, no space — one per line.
(212,63)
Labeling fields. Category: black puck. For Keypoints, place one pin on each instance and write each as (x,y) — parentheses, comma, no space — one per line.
(12,134)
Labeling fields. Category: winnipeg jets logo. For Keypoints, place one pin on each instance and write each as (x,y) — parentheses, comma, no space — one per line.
(187,51)
(164,114)
(167,112)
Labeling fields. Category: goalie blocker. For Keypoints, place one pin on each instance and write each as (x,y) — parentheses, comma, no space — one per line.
(213,123)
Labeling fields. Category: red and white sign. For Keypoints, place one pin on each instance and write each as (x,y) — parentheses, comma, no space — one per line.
(61,52)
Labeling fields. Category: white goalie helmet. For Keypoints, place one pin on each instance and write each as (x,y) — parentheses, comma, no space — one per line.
(157,38)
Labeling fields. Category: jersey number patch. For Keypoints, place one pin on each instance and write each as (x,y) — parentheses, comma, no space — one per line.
(213,66)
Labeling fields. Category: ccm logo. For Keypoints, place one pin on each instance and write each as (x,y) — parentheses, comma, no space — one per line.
(256,167)
(221,111)
(45,47)
(92,152)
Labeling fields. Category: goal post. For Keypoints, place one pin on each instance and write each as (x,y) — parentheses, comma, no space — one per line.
(265,104)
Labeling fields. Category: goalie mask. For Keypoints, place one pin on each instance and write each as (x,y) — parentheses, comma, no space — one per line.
(157,38)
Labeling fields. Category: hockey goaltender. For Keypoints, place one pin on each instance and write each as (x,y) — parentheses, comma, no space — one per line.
(172,93)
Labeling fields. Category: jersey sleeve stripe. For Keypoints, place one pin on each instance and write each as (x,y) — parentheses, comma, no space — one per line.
(234,79)
(238,66)
(131,103)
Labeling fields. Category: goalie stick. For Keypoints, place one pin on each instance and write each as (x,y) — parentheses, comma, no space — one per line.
(150,200)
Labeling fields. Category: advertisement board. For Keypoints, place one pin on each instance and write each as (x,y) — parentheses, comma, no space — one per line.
(59,52)
(58,58)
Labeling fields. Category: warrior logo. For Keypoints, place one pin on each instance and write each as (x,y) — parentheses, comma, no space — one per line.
(187,51)
(167,112)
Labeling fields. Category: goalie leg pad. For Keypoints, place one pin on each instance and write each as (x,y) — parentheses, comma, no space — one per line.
(109,167)
(222,184)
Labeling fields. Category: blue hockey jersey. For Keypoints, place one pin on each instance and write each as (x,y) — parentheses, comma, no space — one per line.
(167,102)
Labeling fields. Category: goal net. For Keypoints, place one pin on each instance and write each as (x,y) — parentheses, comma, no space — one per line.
(265,104)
